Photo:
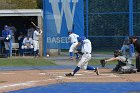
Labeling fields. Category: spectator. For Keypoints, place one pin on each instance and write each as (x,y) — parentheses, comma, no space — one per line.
(20,40)
(127,47)
(7,34)
(13,30)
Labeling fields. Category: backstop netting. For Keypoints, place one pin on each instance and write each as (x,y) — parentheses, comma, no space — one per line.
(110,21)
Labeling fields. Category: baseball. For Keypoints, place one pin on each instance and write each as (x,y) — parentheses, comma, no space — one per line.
(48,55)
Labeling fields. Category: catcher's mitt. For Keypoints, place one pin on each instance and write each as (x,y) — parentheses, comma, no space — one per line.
(102,62)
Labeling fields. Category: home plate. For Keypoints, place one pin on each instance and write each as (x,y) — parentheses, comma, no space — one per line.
(42,73)
(78,74)
(64,77)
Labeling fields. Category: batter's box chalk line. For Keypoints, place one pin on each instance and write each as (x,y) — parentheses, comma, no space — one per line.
(81,76)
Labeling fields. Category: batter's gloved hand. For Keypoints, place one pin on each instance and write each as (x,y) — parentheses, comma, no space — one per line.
(102,62)
(79,52)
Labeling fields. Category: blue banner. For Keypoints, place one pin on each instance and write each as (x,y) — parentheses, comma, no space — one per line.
(60,16)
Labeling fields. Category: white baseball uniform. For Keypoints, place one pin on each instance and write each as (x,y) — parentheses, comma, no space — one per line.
(27,42)
(36,35)
(73,39)
(86,50)
(83,63)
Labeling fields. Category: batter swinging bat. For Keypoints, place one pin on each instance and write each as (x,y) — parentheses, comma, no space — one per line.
(40,31)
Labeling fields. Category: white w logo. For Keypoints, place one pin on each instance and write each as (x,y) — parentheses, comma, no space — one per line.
(65,9)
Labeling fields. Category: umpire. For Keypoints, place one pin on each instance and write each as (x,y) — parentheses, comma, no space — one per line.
(136,44)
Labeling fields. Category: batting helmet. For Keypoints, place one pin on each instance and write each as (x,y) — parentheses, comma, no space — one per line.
(69,32)
(80,38)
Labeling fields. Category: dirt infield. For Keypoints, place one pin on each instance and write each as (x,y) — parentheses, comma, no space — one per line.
(15,80)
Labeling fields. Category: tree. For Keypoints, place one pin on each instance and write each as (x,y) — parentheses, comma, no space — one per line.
(20,4)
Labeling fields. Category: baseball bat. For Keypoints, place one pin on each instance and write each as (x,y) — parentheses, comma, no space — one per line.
(33,24)
(40,31)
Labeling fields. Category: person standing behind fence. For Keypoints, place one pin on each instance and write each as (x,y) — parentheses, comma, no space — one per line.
(36,34)
(127,47)
(73,40)
(134,41)
(7,34)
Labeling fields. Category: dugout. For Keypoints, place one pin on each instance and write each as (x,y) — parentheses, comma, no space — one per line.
(20,18)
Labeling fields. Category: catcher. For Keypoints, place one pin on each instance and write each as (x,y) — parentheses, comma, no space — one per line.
(122,61)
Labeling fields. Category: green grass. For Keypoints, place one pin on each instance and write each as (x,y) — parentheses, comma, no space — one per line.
(97,62)
(25,62)
(103,51)
(2,81)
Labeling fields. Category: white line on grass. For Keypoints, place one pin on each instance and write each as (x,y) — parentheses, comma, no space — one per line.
(28,84)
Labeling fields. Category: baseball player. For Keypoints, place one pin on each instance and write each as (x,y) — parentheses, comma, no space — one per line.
(122,60)
(83,63)
(73,40)
(27,43)
(36,34)
(7,34)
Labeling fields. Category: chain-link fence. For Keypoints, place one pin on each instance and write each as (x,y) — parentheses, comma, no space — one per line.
(110,21)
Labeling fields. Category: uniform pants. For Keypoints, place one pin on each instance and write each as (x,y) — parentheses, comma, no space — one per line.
(84,61)
(35,45)
(72,47)
(7,45)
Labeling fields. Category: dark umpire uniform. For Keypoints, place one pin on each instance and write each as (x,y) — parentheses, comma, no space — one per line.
(136,44)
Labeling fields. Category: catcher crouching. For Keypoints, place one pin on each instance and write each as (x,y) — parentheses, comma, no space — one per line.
(124,64)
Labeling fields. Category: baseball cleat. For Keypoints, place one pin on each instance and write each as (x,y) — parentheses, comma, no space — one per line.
(97,71)
(69,74)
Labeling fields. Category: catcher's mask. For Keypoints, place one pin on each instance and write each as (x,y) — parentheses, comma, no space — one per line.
(117,53)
